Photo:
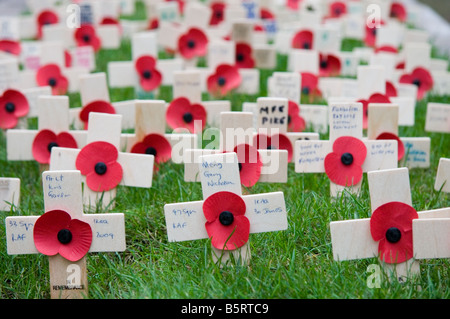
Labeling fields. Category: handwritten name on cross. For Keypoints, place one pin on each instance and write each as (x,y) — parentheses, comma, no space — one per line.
(63,197)
(220,177)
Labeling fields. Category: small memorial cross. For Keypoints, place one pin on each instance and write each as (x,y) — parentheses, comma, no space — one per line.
(9,193)
(225,215)
(101,164)
(346,155)
(65,234)
(442,181)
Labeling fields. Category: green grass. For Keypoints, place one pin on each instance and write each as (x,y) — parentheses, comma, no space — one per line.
(296,263)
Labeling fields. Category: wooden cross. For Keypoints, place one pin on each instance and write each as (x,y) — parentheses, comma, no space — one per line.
(236,128)
(93,88)
(9,193)
(220,173)
(271,119)
(345,121)
(53,116)
(437,118)
(134,170)
(442,182)
(68,274)
(352,239)
(150,120)
(383,123)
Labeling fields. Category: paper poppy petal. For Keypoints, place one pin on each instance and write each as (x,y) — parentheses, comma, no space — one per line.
(398,11)
(159,143)
(393,215)
(250,164)
(244,57)
(391,91)
(178,108)
(21,105)
(46,228)
(348,144)
(98,106)
(337,9)
(193,43)
(223,201)
(9,46)
(303,40)
(391,136)
(110,180)
(229,237)
(93,153)
(80,243)
(282,142)
(218,13)
(228,75)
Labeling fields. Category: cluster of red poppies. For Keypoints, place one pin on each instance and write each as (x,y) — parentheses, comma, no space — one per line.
(390,224)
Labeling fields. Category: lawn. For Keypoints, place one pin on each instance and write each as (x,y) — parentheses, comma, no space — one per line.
(292,264)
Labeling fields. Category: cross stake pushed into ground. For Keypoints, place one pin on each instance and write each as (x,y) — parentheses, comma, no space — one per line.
(224,214)
(102,165)
(388,234)
(346,155)
(65,234)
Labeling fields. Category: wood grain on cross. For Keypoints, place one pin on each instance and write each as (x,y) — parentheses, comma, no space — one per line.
(383,119)
(62,191)
(352,239)
(150,119)
(137,168)
(53,115)
(237,128)
(345,120)
(220,173)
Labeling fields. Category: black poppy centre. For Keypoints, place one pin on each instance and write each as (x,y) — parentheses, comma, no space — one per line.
(306,45)
(86,38)
(416,82)
(226,218)
(323,64)
(347,159)
(51,145)
(10,107)
(100,168)
(188,117)
(240,57)
(52,82)
(64,236)
(221,81)
(393,235)
(147,74)
(305,90)
(150,151)
(191,44)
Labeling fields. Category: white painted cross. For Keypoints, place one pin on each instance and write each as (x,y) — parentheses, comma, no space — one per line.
(236,130)
(9,193)
(365,155)
(437,118)
(95,97)
(442,182)
(150,131)
(102,165)
(219,177)
(64,206)
(383,124)
(53,126)
(352,239)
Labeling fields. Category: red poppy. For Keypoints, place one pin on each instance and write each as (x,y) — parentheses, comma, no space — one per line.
(193,43)
(182,114)
(225,79)
(67,59)
(400,65)
(218,13)
(153,24)
(392,136)
(420,77)
(371,33)
(86,36)
(149,77)
(266,14)
(310,85)
(13,105)
(276,141)
(55,232)
(98,106)
(226,223)
(386,48)
(98,162)
(156,145)
(337,9)
(329,65)
(391,90)
(398,11)
(296,123)
(46,17)
(343,165)
(45,140)
(374,98)
(293,4)
(244,57)
(50,75)
(303,40)
(391,226)
(9,46)
(250,164)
